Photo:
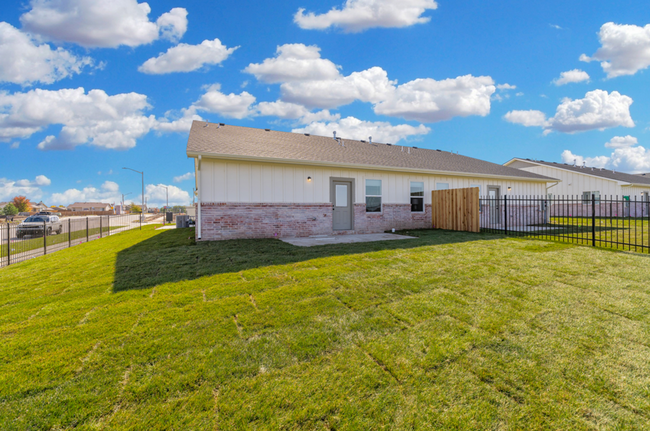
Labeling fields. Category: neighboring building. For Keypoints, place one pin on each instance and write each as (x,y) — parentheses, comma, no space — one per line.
(89,206)
(577,181)
(40,207)
(255,183)
(3,204)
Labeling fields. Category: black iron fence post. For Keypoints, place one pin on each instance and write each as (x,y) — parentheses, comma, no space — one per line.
(44,239)
(593,220)
(505,213)
(8,244)
(69,232)
(87,229)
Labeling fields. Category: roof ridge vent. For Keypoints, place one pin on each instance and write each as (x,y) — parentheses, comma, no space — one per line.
(334,134)
(363,141)
(221,124)
(306,134)
(370,139)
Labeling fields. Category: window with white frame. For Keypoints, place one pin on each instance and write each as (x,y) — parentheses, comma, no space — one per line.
(586,197)
(442,186)
(373,196)
(417,197)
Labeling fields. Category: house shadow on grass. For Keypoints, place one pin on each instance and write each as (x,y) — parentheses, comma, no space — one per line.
(173,255)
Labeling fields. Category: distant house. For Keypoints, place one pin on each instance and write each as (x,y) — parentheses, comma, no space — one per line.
(260,183)
(3,204)
(89,206)
(583,181)
(39,207)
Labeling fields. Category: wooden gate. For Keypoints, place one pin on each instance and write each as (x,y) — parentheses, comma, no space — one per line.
(456,209)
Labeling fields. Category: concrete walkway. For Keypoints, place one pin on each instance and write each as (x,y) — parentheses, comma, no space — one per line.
(343,239)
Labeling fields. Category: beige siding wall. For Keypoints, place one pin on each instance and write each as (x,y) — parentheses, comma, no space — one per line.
(232,181)
(635,191)
(573,184)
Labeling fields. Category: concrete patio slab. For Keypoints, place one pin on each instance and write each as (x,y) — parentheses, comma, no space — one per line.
(343,239)
(168,226)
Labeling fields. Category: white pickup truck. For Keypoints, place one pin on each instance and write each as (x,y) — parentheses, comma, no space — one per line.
(34,225)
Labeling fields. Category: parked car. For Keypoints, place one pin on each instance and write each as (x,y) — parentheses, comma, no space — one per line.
(34,225)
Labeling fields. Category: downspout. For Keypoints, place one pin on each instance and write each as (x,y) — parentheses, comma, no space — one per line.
(200,189)
(551,186)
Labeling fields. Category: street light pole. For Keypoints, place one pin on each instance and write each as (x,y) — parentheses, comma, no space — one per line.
(141,209)
(167,196)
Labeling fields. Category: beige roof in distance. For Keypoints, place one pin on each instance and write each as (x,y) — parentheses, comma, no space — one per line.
(245,143)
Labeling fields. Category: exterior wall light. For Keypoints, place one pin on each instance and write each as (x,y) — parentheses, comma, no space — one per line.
(309,179)
(509,189)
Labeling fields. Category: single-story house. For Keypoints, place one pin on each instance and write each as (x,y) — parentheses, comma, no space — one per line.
(617,194)
(89,206)
(579,181)
(260,183)
(3,204)
(40,207)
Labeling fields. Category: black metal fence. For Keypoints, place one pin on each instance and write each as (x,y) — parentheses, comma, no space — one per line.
(19,242)
(619,223)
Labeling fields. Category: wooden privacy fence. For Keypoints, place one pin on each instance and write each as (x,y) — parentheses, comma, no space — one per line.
(456,209)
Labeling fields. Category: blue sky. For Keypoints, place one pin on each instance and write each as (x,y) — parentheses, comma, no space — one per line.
(87,88)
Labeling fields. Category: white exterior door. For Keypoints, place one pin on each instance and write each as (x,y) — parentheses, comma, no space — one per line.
(495,206)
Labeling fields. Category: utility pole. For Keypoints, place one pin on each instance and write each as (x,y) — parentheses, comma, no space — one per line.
(167,195)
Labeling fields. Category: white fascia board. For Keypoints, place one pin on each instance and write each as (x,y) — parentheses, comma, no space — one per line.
(565,170)
(365,167)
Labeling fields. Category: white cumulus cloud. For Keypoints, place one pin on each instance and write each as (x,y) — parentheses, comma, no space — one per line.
(626,157)
(571,76)
(186,58)
(24,61)
(174,123)
(430,101)
(530,118)
(625,49)
(622,142)
(9,189)
(598,110)
(108,192)
(294,62)
(184,177)
(307,80)
(353,128)
(229,105)
(95,118)
(101,23)
(157,195)
(359,15)
(292,111)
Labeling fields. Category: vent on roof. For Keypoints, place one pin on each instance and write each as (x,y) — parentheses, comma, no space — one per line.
(267,130)
(306,134)
(221,124)
(334,134)
(370,139)
(363,140)
(415,148)
(206,125)
(440,151)
(390,145)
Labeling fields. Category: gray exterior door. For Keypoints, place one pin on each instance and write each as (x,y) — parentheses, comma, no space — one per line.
(342,205)
(495,204)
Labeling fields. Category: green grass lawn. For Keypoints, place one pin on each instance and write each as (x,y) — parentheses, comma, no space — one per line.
(617,233)
(147,330)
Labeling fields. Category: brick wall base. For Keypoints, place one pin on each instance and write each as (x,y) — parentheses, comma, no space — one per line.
(220,221)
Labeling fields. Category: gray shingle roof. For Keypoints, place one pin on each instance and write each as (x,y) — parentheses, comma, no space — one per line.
(245,142)
(598,172)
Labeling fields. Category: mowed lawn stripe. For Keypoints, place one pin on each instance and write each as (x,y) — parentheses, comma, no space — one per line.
(447,331)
